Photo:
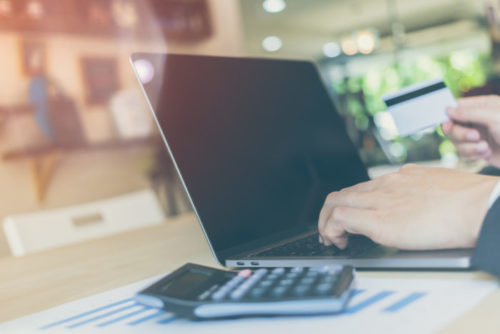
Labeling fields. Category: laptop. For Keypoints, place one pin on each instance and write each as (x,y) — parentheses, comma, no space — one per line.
(258,145)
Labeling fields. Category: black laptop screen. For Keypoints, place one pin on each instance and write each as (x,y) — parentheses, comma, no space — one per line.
(257,142)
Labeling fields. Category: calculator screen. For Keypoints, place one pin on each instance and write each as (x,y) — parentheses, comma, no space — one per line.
(186,284)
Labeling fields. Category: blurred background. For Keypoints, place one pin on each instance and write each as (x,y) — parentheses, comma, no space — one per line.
(77,142)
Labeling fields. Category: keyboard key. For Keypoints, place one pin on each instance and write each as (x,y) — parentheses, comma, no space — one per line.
(309,246)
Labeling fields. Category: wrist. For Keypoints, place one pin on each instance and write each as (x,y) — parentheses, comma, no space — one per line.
(484,195)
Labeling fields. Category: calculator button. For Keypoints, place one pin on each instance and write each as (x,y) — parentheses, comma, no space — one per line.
(257,292)
(292,275)
(252,280)
(333,268)
(329,279)
(247,285)
(297,270)
(234,281)
(272,277)
(266,284)
(307,280)
(312,274)
(323,289)
(238,293)
(327,269)
(245,273)
(318,269)
(219,294)
(260,272)
(279,291)
(204,295)
(286,282)
(301,290)
(278,271)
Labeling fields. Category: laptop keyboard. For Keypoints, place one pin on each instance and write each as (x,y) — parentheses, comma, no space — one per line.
(309,246)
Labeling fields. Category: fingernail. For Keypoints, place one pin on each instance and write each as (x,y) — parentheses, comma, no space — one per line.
(472,136)
(482,146)
(320,239)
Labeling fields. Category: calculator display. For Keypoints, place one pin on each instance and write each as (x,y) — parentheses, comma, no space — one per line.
(186,284)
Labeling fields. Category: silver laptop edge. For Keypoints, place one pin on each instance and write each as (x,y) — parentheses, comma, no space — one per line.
(173,159)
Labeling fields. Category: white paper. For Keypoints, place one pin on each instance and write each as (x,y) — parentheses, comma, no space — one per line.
(420,112)
(383,306)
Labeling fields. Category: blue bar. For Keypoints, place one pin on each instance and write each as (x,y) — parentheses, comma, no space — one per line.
(368,302)
(123,317)
(146,318)
(357,292)
(102,316)
(85,314)
(404,302)
(167,320)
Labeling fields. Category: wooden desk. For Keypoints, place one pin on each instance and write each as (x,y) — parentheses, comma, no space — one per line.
(39,281)
(43,159)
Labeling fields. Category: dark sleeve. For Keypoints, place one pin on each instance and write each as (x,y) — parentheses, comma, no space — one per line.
(487,253)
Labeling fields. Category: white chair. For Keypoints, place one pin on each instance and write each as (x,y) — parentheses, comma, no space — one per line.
(33,232)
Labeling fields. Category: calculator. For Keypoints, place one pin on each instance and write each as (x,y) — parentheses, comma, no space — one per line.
(195,291)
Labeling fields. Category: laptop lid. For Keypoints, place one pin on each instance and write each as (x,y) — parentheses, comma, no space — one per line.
(257,143)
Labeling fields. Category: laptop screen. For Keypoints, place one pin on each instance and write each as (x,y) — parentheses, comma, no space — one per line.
(257,142)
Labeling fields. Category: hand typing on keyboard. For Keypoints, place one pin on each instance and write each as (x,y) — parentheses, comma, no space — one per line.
(417,208)
(309,246)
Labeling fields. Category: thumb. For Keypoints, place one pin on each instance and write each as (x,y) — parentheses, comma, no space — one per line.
(482,116)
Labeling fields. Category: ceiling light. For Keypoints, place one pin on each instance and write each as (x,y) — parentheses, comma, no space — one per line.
(34,8)
(272,43)
(331,50)
(145,70)
(124,13)
(349,46)
(366,41)
(274,6)
(5,7)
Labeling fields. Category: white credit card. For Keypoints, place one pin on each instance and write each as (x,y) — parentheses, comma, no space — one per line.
(419,106)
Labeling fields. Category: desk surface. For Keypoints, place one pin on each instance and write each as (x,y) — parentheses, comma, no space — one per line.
(39,281)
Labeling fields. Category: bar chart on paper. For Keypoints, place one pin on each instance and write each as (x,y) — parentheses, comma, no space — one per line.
(389,305)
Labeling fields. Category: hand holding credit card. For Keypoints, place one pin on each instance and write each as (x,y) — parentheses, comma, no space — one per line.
(419,106)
